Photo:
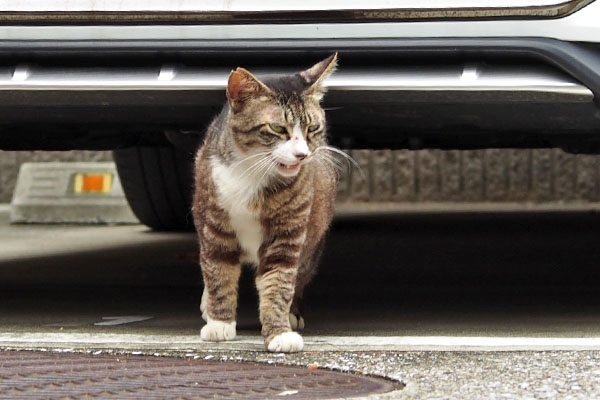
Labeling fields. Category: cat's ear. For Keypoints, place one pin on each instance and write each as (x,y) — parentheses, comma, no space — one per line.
(241,86)
(315,75)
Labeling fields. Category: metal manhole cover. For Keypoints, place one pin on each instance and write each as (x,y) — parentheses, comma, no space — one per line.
(71,376)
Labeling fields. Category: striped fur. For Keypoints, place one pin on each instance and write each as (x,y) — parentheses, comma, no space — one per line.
(264,195)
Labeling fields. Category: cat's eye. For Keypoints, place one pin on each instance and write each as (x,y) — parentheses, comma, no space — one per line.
(313,127)
(277,128)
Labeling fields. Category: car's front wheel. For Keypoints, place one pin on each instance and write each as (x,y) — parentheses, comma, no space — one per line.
(158,183)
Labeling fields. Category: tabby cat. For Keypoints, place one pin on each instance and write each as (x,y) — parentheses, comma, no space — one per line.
(265,185)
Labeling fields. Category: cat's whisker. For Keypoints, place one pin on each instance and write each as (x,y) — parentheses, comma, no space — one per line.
(261,166)
(268,171)
(265,169)
(256,167)
(239,162)
(339,152)
(332,162)
(337,161)
(346,157)
(323,161)
(322,158)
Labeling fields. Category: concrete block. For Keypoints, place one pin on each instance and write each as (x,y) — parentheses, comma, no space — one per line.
(450,174)
(344,170)
(586,179)
(472,175)
(564,175)
(427,175)
(519,174)
(496,174)
(383,177)
(404,175)
(56,192)
(361,179)
(541,175)
(343,186)
(8,174)
(10,162)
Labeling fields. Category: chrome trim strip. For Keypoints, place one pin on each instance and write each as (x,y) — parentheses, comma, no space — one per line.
(308,11)
(20,73)
(469,77)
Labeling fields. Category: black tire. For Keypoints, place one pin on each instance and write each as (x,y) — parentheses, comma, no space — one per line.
(158,184)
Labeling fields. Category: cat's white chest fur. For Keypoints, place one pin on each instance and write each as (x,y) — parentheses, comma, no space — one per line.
(235,191)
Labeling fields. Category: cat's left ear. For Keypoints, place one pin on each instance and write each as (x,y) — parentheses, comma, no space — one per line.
(241,86)
(315,75)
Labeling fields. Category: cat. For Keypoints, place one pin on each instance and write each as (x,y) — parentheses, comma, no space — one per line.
(264,193)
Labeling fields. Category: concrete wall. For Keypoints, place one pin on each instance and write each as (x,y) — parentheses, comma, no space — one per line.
(472,176)
(428,175)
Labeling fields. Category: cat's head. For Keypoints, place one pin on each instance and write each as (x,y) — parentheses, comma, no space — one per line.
(281,117)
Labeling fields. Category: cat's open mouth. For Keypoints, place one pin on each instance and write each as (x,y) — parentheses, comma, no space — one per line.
(289,168)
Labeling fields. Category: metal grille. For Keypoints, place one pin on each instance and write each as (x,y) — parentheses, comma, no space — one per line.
(73,376)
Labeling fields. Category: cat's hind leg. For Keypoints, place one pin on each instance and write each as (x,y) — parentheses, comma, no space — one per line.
(297,309)
(296,321)
(308,268)
(203,304)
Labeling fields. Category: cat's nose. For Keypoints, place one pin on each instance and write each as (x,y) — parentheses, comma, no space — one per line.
(300,156)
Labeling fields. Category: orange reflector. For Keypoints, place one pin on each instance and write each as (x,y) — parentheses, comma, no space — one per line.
(93,183)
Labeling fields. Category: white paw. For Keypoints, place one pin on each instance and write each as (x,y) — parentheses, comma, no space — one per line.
(295,323)
(203,304)
(218,331)
(287,342)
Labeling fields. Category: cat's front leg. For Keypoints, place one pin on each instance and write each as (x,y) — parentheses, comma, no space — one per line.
(276,291)
(221,272)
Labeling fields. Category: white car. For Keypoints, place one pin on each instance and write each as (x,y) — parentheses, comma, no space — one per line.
(145,77)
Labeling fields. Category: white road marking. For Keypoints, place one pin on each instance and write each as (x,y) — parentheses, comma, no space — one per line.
(65,324)
(120,320)
(312,343)
(287,392)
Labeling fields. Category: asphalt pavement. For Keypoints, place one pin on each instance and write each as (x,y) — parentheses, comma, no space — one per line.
(451,303)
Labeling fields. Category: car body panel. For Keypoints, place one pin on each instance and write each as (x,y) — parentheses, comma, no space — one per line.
(123,12)
(579,26)
(474,75)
